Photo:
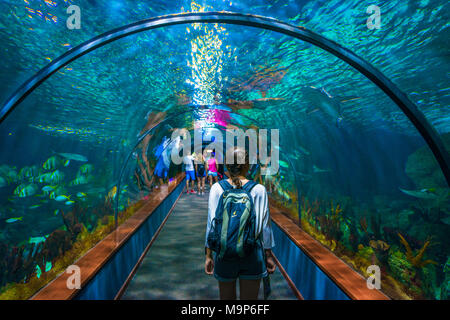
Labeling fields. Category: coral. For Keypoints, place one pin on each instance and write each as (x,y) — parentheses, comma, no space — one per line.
(62,248)
(417,260)
(381,250)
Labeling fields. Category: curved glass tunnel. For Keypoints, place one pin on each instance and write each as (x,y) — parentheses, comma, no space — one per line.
(354,172)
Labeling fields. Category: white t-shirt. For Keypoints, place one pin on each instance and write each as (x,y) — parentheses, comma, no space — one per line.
(188,162)
(261,203)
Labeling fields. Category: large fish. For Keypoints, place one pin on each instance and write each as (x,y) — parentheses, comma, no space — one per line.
(28,172)
(320,99)
(52,163)
(80,180)
(73,156)
(25,190)
(421,194)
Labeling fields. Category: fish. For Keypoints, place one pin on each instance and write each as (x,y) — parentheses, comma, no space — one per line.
(73,156)
(12,220)
(80,180)
(59,191)
(37,240)
(318,170)
(48,188)
(34,206)
(66,164)
(57,177)
(52,163)
(283,164)
(7,175)
(323,101)
(38,271)
(70,202)
(28,172)
(55,213)
(421,194)
(25,190)
(81,194)
(48,266)
(62,198)
(45,178)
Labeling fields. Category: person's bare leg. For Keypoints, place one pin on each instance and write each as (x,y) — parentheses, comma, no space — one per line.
(248,289)
(227,290)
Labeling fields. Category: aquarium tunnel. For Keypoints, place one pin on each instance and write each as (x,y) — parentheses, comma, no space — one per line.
(358,116)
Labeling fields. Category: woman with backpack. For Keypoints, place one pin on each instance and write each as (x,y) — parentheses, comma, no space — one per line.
(239,232)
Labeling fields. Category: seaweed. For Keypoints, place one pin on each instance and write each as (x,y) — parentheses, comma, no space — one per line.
(416,260)
(62,247)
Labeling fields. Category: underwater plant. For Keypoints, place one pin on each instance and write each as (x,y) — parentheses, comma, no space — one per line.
(26,269)
(416,260)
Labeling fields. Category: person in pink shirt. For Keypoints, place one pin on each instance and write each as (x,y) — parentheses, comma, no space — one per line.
(212,169)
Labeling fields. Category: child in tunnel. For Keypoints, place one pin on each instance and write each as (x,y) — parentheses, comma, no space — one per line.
(248,254)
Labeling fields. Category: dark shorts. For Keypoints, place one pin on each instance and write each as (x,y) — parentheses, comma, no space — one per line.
(251,267)
(201,171)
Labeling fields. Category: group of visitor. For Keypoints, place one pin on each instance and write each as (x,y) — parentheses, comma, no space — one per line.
(198,167)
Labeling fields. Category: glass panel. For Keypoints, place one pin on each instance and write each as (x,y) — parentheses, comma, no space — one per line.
(367,186)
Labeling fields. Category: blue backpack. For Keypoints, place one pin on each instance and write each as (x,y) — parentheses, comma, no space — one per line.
(232,233)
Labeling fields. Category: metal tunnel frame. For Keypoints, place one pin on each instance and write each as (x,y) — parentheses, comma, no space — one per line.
(417,118)
(154,127)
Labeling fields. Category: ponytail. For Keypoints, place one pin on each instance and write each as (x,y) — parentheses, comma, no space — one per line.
(238,169)
(237,182)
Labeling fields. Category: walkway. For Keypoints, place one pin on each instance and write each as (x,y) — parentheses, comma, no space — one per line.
(174,266)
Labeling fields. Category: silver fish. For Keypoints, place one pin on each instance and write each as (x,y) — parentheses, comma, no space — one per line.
(421,194)
(73,156)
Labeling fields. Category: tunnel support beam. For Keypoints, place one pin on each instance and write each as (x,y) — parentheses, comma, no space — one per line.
(407,106)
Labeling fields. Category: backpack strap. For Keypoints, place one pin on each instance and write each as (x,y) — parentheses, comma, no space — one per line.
(249,185)
(225,185)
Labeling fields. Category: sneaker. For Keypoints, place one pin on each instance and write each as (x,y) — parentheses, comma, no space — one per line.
(192,191)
